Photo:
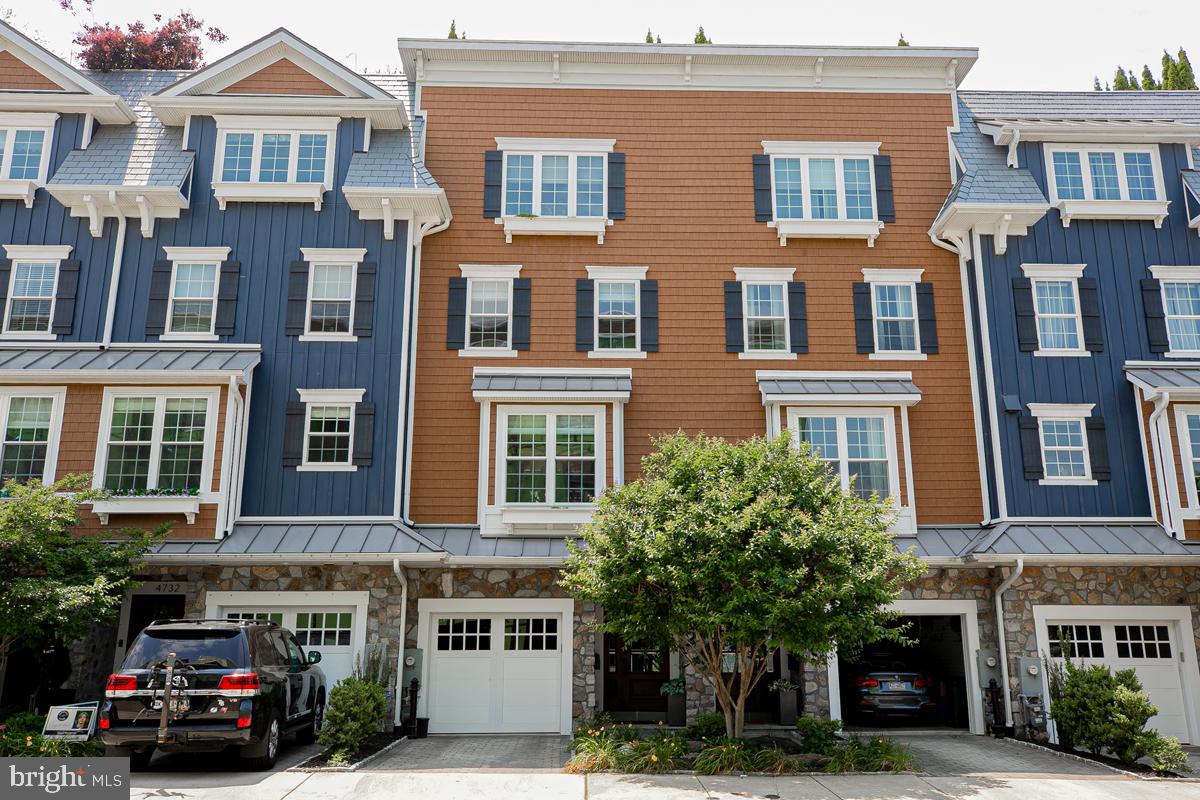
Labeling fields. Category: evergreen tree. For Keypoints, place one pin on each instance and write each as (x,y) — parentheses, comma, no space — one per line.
(658,40)
(701,37)
(649,37)
(1133,81)
(1148,81)
(453,32)
(903,42)
(1096,83)
(1183,75)
(1120,82)
(1168,71)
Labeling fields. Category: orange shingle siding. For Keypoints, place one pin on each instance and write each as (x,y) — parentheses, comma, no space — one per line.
(282,77)
(16,74)
(691,221)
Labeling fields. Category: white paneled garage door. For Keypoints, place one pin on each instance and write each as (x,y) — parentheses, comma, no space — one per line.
(492,668)
(1149,645)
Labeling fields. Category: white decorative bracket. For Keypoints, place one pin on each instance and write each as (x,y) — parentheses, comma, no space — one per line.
(95,223)
(1013,141)
(1001,237)
(147,218)
(819,71)
(687,69)
(420,65)
(952,73)
(555,58)
(389,219)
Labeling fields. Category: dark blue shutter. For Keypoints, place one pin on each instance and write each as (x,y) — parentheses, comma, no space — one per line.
(734,336)
(649,321)
(160,295)
(864,319)
(1156,317)
(585,314)
(763,207)
(1027,335)
(520,314)
(364,298)
(364,433)
(1098,449)
(1089,311)
(227,295)
(797,316)
(64,296)
(293,435)
(294,323)
(885,200)
(493,178)
(927,318)
(1031,448)
(456,315)
(616,186)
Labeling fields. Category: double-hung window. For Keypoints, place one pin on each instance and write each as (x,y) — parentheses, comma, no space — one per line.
(31,418)
(157,441)
(31,290)
(489,310)
(1056,306)
(550,456)
(617,311)
(1180,288)
(329,421)
(858,445)
(24,153)
(192,300)
(1063,436)
(555,186)
(273,159)
(895,316)
(332,287)
(1123,182)
(824,188)
(765,311)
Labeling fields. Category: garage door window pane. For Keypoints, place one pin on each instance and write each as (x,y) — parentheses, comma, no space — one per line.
(534,633)
(1080,641)
(1143,641)
(260,616)
(464,634)
(323,629)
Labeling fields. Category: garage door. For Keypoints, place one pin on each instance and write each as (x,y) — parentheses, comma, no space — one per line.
(326,629)
(495,672)
(1147,646)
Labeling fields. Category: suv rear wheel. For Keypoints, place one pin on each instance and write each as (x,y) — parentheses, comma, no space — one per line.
(308,734)
(263,754)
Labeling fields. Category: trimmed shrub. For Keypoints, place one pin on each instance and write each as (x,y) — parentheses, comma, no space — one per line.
(819,736)
(21,737)
(877,754)
(352,716)
(707,726)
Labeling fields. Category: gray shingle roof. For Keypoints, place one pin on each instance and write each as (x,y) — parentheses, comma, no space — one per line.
(1166,377)
(988,178)
(144,154)
(527,382)
(807,385)
(1180,107)
(391,163)
(89,359)
(1191,179)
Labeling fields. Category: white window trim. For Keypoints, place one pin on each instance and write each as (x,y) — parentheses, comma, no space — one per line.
(1174,274)
(1066,411)
(194,255)
(840,228)
(887,414)
(1090,208)
(1182,412)
(569,224)
(488,272)
(255,191)
(617,352)
(24,188)
(161,394)
(1058,272)
(335,257)
(895,277)
(518,513)
(329,397)
(37,253)
(766,275)
(58,398)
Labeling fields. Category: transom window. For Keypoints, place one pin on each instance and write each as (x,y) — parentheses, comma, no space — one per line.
(859,448)
(616,315)
(23,152)
(558,184)
(895,317)
(766,316)
(551,458)
(822,187)
(1099,172)
(193,298)
(531,633)
(1075,641)
(31,296)
(25,449)
(489,313)
(324,628)
(1143,641)
(464,634)
(301,154)
(157,442)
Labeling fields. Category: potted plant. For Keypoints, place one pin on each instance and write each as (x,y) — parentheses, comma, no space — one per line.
(676,707)
(787,700)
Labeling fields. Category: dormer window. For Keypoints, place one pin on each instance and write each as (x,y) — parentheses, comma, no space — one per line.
(274,159)
(24,154)
(1106,182)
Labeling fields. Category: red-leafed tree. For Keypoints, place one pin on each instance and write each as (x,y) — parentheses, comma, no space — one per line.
(174,43)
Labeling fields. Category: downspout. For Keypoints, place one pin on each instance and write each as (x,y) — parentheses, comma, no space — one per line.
(118,256)
(399,571)
(1000,635)
(1164,498)
(232,426)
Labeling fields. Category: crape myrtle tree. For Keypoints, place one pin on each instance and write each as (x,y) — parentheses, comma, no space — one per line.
(727,550)
(173,43)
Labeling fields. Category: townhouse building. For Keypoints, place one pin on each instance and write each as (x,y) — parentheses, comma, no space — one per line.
(374,345)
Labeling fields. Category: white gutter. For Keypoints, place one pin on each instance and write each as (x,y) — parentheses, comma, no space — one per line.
(118,256)
(399,572)
(248,559)
(232,424)
(1000,635)
(1164,495)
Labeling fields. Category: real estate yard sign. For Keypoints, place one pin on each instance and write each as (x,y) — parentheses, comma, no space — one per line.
(74,723)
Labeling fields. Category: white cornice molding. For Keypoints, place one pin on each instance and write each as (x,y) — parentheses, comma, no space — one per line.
(555,145)
(490,270)
(334,255)
(764,274)
(781,148)
(615,273)
(205,255)
(891,275)
(50,252)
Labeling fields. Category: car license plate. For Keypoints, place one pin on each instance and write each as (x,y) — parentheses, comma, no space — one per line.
(896,686)
(177,704)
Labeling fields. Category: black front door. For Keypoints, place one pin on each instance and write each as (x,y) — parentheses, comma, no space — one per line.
(762,704)
(633,675)
(145,608)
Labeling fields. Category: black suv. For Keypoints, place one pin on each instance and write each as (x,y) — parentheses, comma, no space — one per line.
(204,684)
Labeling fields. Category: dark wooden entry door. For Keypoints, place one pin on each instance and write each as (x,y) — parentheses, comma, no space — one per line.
(145,608)
(633,675)
(762,704)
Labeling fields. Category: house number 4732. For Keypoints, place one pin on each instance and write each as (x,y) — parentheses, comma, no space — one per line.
(166,588)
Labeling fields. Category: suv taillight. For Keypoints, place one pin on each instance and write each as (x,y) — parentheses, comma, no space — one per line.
(120,686)
(239,684)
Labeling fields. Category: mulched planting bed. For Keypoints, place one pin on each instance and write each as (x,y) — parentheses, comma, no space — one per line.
(1136,768)
(369,748)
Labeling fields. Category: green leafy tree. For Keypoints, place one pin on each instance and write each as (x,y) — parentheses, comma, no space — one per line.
(1133,81)
(1148,81)
(726,551)
(1168,71)
(701,37)
(453,31)
(649,37)
(657,39)
(1120,81)
(1096,84)
(1182,76)
(903,42)
(58,583)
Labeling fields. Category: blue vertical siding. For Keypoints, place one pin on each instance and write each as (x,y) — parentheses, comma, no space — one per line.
(265,238)
(1117,254)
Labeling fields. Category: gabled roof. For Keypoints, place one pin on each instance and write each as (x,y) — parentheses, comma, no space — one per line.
(78,92)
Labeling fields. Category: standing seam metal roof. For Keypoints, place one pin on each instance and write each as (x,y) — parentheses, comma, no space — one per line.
(127,359)
(1166,377)
(835,386)
(551,383)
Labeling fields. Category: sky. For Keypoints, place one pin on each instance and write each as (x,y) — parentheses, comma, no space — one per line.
(1024,44)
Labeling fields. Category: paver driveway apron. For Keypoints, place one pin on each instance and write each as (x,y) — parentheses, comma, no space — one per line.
(512,753)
